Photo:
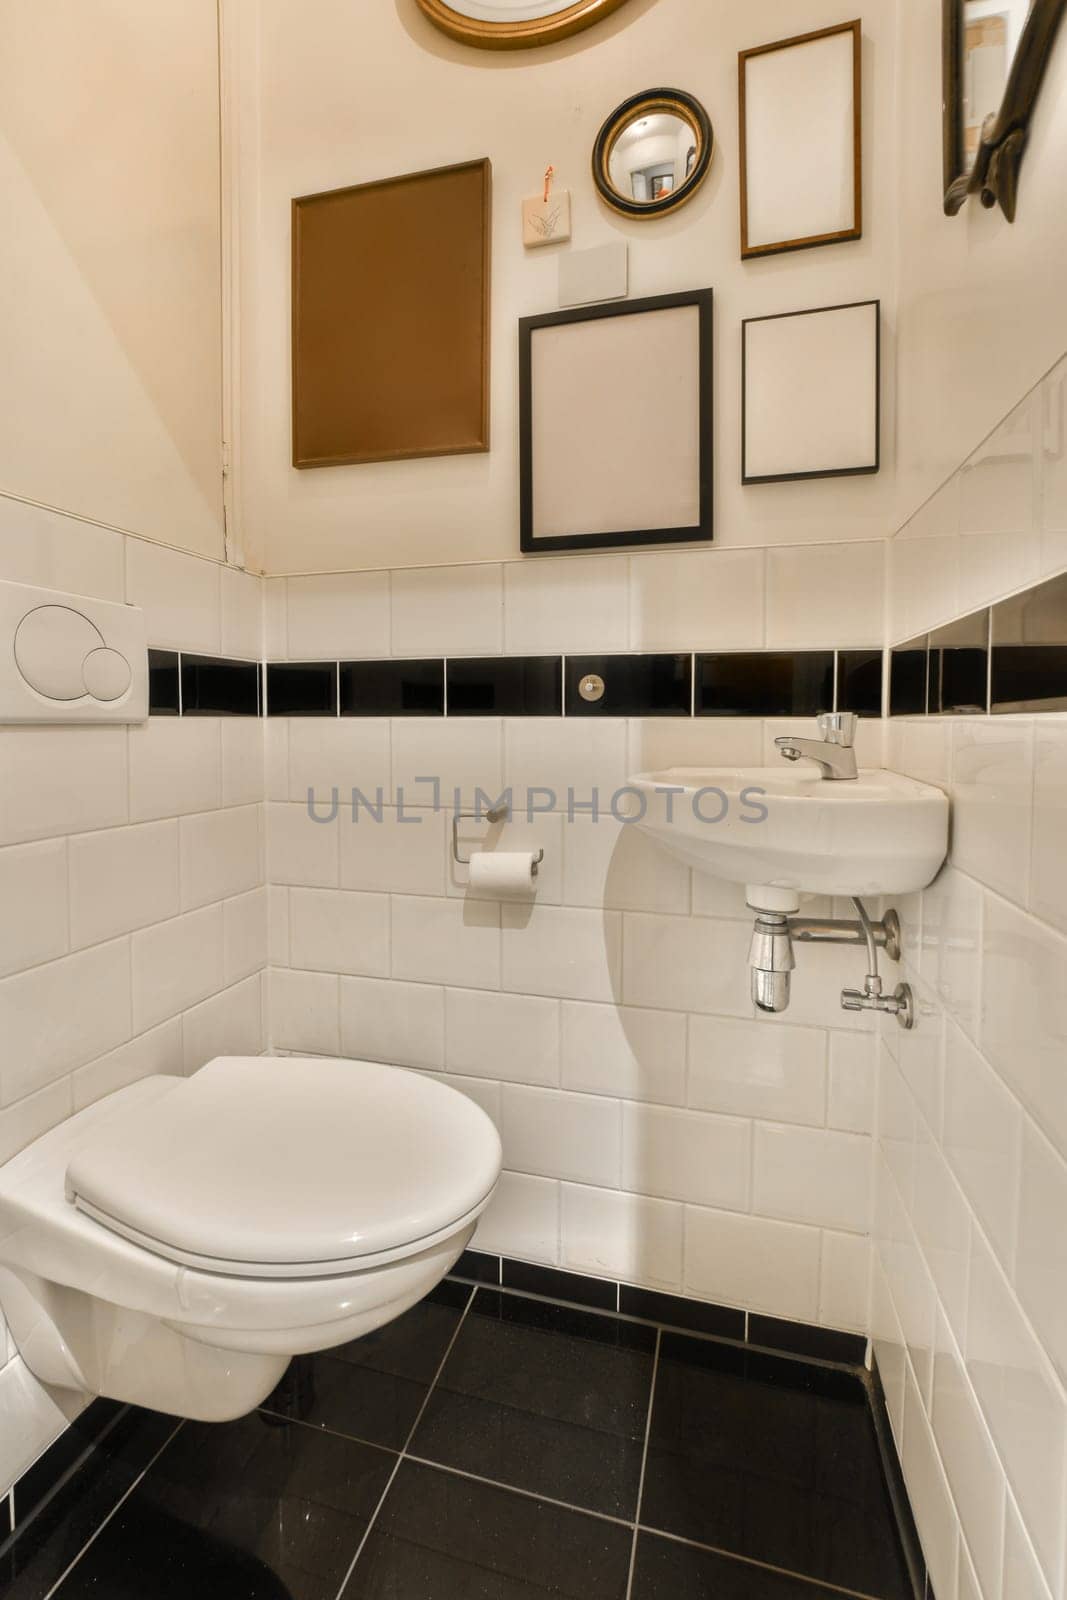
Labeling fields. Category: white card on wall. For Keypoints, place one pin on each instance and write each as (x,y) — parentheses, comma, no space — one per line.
(810,394)
(586,276)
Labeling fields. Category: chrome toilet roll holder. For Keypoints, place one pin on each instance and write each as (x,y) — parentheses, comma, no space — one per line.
(497,814)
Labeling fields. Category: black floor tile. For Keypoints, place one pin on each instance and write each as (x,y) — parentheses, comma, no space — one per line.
(546,1399)
(443,1537)
(238,1511)
(598,1293)
(665,1570)
(773,1460)
(44,1545)
(373,1387)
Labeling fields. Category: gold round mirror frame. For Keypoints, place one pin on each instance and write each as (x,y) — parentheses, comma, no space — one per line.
(518,35)
(672,102)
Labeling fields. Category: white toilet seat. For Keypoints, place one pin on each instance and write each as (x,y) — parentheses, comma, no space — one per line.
(288,1168)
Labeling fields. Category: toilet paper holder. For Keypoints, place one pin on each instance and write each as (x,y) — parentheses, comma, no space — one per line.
(497,814)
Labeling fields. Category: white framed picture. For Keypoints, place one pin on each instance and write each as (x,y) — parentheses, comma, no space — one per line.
(810,393)
(801,141)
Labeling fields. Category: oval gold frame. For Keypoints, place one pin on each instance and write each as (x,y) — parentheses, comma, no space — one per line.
(518,35)
(678,103)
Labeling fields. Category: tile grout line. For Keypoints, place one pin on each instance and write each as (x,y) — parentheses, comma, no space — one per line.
(404,1449)
(822,1585)
(524,1494)
(114,1510)
(644,1464)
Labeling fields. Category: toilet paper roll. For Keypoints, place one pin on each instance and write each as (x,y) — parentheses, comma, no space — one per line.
(503,874)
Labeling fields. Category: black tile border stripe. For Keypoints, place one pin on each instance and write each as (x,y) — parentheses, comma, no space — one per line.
(188,683)
(680,1312)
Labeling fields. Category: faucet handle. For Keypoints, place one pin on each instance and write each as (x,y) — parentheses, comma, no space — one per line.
(838,727)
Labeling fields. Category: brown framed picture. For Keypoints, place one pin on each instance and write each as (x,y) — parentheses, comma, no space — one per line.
(390,318)
(801,141)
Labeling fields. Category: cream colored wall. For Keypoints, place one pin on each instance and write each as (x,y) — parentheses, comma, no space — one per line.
(110,342)
(983,313)
(348,93)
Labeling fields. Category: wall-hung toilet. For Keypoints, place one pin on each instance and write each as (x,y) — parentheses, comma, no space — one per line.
(177,1243)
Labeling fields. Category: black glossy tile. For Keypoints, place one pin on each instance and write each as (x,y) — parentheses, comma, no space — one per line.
(859,682)
(238,1511)
(444,1537)
(634,686)
(664,1570)
(556,1285)
(908,664)
(959,667)
(546,1399)
(5,1519)
(163,683)
(789,683)
(478,1266)
(302,689)
(773,1460)
(72,1449)
(722,1322)
(505,686)
(214,687)
(45,1544)
(392,688)
(373,1388)
(801,1339)
(1029,677)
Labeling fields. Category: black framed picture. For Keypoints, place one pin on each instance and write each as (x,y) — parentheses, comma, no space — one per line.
(811,394)
(615,420)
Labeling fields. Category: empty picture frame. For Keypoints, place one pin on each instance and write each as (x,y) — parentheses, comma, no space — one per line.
(391,318)
(615,419)
(801,144)
(811,393)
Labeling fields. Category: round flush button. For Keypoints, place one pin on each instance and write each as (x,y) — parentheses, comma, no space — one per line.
(107,674)
(51,642)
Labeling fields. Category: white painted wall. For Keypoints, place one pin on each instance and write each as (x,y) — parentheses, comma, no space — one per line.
(110,343)
(348,93)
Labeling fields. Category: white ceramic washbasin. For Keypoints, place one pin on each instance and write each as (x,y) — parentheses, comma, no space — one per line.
(792,829)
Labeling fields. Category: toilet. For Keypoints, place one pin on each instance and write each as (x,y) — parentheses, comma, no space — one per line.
(175,1244)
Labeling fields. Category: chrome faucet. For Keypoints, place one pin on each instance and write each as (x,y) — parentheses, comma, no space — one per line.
(833,752)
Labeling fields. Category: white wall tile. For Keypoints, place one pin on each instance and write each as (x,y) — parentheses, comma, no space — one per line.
(242,761)
(522,1219)
(1041,1256)
(992,791)
(556,1135)
(699,600)
(624,1236)
(175,964)
(970,1461)
(686,1155)
(752,1262)
(929,1494)
(1024,1012)
(304,1012)
(811,1175)
(850,1106)
(573,604)
(30,1418)
(480,1090)
(1053,544)
(658,743)
(27,1120)
(229,1024)
(55,1017)
(61,780)
(158,1050)
(278,925)
(338,614)
(461,753)
(221,855)
(844,1281)
(686,964)
(623,1051)
(1048,881)
(275,619)
(888,1344)
(998,524)
(33,893)
(403,1023)
(511,1037)
(342,753)
(338,930)
(242,614)
(446,941)
(609,863)
(175,767)
(301,850)
(121,879)
(1023,1579)
(559,950)
(750,1070)
(179,594)
(825,595)
(448,611)
(244,932)
(48,550)
(982,1136)
(952,944)
(276,758)
(579,754)
(405,852)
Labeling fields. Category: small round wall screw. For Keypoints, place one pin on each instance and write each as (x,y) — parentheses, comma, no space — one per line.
(591,687)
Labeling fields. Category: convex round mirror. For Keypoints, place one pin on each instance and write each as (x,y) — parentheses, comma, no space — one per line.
(653,153)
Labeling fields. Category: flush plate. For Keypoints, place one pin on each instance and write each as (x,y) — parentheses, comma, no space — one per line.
(70,658)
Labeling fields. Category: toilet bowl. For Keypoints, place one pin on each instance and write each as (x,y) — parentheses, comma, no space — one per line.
(175,1244)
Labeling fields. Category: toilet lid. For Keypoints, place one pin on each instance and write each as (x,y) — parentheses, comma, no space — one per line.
(289,1167)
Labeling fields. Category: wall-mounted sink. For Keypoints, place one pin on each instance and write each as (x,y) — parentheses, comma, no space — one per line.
(787,832)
